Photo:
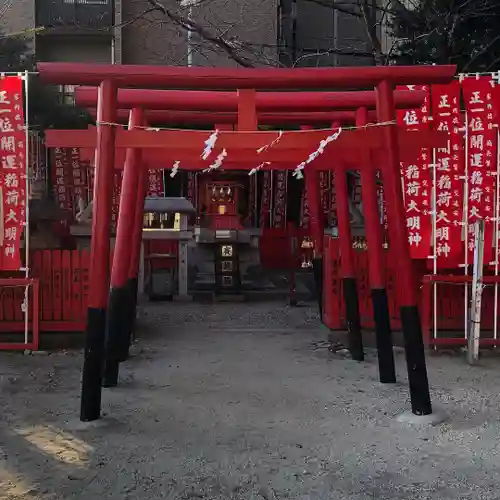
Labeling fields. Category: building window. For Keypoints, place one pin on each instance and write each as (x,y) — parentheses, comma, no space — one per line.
(86,2)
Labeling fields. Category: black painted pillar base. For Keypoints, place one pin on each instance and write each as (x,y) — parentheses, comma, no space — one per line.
(317,265)
(90,405)
(134,287)
(415,361)
(115,335)
(351,301)
(383,335)
(128,324)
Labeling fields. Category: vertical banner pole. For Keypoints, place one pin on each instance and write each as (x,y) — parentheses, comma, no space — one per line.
(497,235)
(474,329)
(25,78)
(255,221)
(466,224)
(329,213)
(271,197)
(434,241)
(47,176)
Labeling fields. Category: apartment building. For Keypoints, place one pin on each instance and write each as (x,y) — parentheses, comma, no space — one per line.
(264,32)
(127,32)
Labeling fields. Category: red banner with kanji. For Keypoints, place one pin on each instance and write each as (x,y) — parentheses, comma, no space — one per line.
(70,179)
(333,202)
(252,190)
(449,179)
(304,209)
(417,181)
(266,200)
(280,193)
(155,183)
(13,174)
(61,178)
(90,171)
(481,160)
(191,187)
(325,190)
(79,184)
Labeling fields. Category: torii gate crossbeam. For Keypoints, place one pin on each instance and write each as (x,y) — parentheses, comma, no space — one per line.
(289,102)
(165,117)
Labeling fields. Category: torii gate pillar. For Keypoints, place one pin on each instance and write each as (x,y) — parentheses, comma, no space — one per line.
(135,257)
(398,241)
(376,266)
(347,267)
(90,408)
(316,226)
(119,295)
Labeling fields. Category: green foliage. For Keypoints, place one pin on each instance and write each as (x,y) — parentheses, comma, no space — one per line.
(45,107)
(462,32)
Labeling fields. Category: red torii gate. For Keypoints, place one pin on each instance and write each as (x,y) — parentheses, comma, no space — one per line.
(244,100)
(193,102)
(109,77)
(157,158)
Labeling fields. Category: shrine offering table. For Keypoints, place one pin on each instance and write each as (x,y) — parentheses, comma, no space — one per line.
(223,258)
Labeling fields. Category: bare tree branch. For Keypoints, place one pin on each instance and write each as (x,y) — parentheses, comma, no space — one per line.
(371,30)
(230,47)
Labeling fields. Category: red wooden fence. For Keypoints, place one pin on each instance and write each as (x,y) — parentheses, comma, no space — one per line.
(63,279)
(450,296)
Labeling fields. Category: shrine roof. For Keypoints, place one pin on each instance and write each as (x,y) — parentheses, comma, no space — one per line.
(168,204)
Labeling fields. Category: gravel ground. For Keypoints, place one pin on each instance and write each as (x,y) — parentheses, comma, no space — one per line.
(244,401)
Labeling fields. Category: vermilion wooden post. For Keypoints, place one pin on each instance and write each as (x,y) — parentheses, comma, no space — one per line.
(349,285)
(316,227)
(100,248)
(135,256)
(398,241)
(119,296)
(312,184)
(247,110)
(376,266)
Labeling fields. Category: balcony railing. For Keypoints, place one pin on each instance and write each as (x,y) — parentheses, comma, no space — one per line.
(94,15)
